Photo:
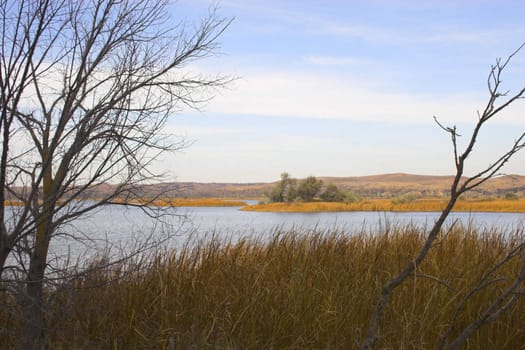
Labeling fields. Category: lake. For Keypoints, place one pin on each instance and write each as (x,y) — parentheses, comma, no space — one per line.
(122,227)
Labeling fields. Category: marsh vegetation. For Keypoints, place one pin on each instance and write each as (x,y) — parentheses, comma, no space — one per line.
(297,290)
(382,205)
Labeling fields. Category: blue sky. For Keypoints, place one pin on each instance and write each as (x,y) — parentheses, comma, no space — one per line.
(349,88)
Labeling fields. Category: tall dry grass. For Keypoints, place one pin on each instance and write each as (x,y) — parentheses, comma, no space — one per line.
(298,290)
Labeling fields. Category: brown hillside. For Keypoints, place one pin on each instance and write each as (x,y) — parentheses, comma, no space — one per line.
(386,185)
(373,186)
(390,185)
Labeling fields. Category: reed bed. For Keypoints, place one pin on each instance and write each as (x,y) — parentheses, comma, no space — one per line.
(296,290)
(429,205)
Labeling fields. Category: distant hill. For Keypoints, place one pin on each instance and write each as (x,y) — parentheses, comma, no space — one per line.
(392,185)
(385,185)
(373,186)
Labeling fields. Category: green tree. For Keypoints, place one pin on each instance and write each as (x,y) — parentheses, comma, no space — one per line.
(291,193)
(332,194)
(352,197)
(285,190)
(511,196)
(309,188)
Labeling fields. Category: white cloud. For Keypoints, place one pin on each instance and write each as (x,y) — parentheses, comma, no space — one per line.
(367,33)
(302,95)
(194,131)
(323,60)
(427,34)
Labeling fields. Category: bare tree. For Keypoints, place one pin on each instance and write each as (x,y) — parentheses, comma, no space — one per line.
(86,87)
(497,102)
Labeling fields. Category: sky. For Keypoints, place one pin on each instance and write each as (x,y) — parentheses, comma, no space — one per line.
(349,88)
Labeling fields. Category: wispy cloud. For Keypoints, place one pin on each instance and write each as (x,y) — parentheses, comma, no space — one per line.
(305,95)
(394,31)
(365,32)
(324,60)
(195,131)
(426,33)
(362,82)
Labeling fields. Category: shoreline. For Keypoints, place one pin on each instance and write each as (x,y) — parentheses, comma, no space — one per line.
(388,205)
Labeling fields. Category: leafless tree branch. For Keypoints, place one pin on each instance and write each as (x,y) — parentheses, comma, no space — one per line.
(458,187)
(86,88)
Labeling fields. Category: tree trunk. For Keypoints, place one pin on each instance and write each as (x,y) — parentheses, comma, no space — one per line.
(34,300)
(4,253)
(34,307)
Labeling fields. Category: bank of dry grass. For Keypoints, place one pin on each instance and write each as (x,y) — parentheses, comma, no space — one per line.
(187,202)
(169,202)
(199,202)
(428,205)
(297,290)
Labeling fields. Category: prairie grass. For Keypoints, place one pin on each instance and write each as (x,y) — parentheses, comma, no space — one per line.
(297,290)
(495,205)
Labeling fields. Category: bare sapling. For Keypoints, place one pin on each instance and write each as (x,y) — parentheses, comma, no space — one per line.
(498,101)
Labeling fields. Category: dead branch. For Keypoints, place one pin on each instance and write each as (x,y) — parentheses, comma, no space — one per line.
(457,188)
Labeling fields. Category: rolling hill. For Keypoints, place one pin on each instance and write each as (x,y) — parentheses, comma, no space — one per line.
(377,186)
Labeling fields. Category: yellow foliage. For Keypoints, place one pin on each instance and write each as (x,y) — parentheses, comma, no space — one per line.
(13,203)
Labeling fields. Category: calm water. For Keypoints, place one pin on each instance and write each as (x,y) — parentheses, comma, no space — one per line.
(123,227)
